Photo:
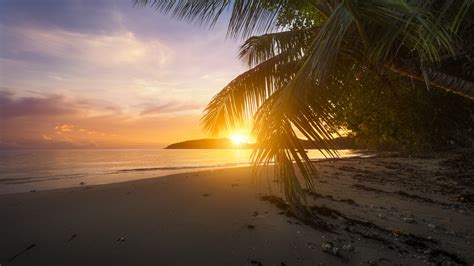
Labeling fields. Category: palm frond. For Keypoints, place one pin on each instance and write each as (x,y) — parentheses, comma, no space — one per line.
(247,16)
(204,12)
(279,124)
(278,144)
(240,99)
(258,49)
(325,49)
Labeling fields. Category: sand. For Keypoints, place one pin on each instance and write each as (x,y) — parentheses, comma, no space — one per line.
(379,211)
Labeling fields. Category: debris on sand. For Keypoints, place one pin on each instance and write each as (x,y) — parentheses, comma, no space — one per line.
(326,246)
(432,226)
(466,198)
(329,247)
(394,239)
(22,252)
(348,247)
(121,239)
(72,237)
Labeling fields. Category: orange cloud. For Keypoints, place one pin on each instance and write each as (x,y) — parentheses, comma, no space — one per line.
(68,128)
(63,128)
(87,124)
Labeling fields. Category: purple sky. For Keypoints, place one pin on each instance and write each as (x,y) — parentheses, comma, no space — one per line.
(114,74)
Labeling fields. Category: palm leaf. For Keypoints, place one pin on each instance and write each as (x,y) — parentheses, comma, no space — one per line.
(247,16)
(279,124)
(258,49)
(240,99)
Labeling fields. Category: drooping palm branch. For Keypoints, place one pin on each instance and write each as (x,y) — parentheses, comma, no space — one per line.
(276,57)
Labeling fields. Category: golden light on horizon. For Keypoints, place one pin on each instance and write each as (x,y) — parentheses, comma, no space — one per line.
(239,139)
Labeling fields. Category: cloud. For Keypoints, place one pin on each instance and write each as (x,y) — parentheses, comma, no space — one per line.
(48,105)
(9,144)
(170,107)
(101,15)
(90,51)
(34,104)
(64,128)
(136,54)
(72,130)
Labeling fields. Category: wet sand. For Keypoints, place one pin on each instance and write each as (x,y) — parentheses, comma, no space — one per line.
(374,211)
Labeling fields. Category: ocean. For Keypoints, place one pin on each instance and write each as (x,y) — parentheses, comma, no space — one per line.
(27,170)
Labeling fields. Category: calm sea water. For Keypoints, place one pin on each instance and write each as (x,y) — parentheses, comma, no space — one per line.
(25,170)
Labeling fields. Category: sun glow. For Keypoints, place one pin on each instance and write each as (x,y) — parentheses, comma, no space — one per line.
(239,139)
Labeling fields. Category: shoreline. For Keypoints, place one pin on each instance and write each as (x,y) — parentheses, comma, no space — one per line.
(90,186)
(129,175)
(382,210)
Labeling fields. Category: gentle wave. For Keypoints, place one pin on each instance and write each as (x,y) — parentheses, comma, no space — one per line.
(24,180)
(181,167)
(36,179)
(22,171)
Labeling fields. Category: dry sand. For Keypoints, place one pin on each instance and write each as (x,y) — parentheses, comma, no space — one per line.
(379,211)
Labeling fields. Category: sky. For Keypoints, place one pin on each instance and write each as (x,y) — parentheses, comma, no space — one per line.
(106,74)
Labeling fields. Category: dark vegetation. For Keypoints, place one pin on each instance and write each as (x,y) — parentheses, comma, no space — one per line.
(394,113)
(207,144)
(385,111)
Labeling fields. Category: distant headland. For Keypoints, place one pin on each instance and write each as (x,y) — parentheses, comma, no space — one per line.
(209,144)
(223,143)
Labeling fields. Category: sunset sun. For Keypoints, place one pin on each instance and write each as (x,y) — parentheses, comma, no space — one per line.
(239,139)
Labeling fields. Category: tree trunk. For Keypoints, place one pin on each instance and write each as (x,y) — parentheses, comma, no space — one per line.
(448,82)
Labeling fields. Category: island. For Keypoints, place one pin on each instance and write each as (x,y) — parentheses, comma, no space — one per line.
(224,143)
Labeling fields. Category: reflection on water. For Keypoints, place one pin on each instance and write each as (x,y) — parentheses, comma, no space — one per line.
(24,170)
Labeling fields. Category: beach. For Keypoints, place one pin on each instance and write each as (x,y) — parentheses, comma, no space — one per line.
(385,210)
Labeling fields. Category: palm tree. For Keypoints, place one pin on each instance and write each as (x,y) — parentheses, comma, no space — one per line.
(287,90)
